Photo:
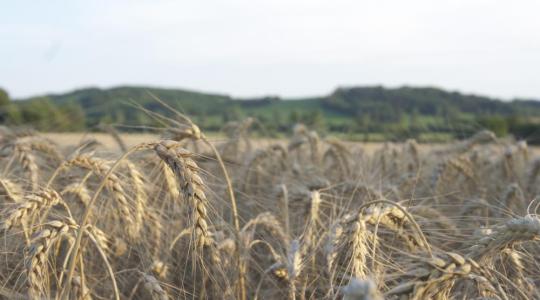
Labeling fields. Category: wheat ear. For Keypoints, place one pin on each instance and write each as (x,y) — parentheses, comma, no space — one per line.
(28,162)
(12,191)
(36,254)
(191,184)
(30,205)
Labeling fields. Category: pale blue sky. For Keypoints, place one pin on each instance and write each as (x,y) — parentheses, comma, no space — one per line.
(279,47)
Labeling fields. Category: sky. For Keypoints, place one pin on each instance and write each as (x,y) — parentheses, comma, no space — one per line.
(286,48)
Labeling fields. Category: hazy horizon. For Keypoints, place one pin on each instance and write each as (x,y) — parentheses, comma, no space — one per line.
(290,49)
(265,95)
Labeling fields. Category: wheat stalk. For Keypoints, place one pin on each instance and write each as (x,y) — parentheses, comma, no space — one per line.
(12,191)
(36,254)
(153,286)
(433,278)
(101,168)
(78,189)
(191,184)
(137,180)
(28,163)
(505,235)
(29,206)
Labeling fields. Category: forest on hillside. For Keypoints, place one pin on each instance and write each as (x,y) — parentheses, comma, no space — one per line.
(365,113)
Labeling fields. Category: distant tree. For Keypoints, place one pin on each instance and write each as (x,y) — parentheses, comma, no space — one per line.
(233,113)
(202,118)
(497,124)
(363,122)
(294,117)
(414,118)
(449,113)
(42,114)
(4,104)
(11,114)
(120,117)
(315,119)
(524,129)
(73,117)
(276,119)
(106,119)
(142,119)
(4,97)
(414,124)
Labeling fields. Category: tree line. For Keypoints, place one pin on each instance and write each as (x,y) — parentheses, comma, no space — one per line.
(362,113)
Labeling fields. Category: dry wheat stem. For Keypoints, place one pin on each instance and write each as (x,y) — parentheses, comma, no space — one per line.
(71,268)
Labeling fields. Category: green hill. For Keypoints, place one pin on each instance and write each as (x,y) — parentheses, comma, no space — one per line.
(389,113)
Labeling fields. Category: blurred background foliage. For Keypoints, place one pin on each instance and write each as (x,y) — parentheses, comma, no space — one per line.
(358,113)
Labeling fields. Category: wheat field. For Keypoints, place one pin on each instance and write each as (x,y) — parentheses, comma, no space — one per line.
(178,215)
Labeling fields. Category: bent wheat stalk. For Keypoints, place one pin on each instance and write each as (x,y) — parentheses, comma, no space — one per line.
(64,294)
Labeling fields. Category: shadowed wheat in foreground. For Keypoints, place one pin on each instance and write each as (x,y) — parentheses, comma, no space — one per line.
(309,218)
